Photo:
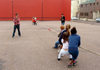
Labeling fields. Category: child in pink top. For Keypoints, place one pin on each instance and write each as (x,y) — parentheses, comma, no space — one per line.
(16,25)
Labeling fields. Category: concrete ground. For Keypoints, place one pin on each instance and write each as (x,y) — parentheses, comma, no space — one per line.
(33,50)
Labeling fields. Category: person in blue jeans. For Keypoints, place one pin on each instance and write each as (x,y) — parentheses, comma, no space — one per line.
(62,19)
(57,42)
(74,43)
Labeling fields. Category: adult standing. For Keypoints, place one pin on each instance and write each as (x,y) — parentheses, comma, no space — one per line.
(16,25)
(62,19)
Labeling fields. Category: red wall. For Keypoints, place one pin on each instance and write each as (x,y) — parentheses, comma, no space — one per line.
(43,9)
(5,9)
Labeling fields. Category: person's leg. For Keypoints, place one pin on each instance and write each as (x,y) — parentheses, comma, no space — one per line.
(56,44)
(67,53)
(18,27)
(74,57)
(60,54)
(35,23)
(70,57)
(63,23)
(14,31)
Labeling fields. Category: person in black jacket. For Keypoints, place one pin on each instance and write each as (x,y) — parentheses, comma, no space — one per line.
(62,19)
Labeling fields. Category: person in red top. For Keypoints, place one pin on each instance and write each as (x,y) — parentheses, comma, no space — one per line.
(34,20)
(16,25)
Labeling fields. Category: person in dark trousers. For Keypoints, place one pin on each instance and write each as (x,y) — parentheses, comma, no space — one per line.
(62,19)
(57,42)
(16,25)
(74,43)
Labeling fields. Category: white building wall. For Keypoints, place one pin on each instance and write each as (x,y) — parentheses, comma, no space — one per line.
(74,8)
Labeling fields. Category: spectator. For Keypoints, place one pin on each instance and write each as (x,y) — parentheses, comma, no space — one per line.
(62,19)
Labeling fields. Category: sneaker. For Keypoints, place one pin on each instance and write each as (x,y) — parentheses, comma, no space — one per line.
(74,64)
(70,58)
(59,59)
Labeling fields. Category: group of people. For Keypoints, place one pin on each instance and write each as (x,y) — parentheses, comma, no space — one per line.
(68,42)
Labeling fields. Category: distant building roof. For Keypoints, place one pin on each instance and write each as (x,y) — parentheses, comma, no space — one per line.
(88,1)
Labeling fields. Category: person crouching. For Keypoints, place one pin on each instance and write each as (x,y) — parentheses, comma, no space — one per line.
(64,50)
(74,43)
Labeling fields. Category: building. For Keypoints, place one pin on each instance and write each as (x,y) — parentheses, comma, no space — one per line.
(74,7)
(89,9)
(42,9)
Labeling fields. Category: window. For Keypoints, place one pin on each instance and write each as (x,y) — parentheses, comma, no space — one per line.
(93,3)
(91,12)
(97,3)
(90,4)
(86,14)
(81,5)
(81,14)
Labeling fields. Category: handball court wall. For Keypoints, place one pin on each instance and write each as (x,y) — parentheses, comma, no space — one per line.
(42,9)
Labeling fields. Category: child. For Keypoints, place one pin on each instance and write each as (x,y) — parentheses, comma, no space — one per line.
(62,19)
(74,43)
(64,50)
(57,43)
(34,20)
(68,26)
(16,25)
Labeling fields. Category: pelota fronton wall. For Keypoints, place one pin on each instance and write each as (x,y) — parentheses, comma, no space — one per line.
(42,9)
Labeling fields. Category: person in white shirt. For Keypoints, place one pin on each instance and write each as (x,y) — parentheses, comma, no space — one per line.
(64,50)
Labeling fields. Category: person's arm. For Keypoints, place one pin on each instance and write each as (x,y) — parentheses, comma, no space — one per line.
(59,34)
(79,42)
(61,37)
